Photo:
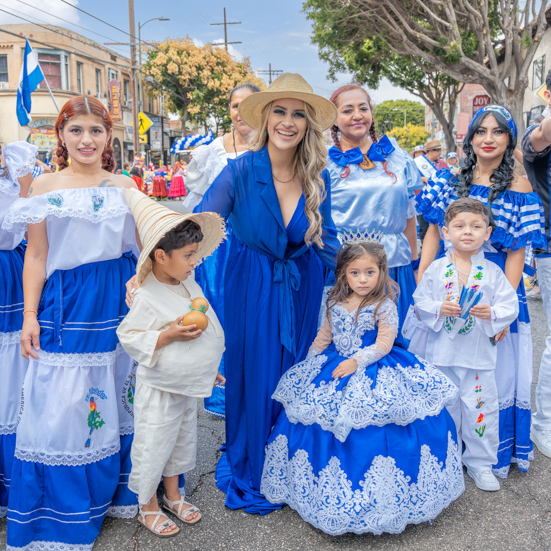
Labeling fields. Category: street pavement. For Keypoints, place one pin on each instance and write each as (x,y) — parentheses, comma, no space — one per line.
(517,518)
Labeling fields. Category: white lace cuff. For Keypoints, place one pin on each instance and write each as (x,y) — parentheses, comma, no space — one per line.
(367,356)
(313,351)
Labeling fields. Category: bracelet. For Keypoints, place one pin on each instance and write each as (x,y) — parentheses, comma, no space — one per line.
(25,311)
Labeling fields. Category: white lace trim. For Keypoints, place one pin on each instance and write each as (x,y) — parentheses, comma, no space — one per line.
(51,546)
(122,511)
(400,395)
(8,429)
(192,200)
(79,360)
(20,160)
(8,187)
(208,162)
(502,472)
(69,460)
(10,338)
(512,401)
(386,501)
(126,430)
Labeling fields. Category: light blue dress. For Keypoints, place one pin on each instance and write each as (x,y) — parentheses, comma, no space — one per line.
(373,200)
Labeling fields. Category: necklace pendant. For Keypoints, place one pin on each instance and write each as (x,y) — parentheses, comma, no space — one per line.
(367,163)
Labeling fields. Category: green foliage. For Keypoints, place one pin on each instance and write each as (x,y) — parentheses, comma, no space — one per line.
(391,114)
(409,136)
(98,422)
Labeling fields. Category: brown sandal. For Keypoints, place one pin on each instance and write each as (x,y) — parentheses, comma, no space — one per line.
(182,513)
(157,527)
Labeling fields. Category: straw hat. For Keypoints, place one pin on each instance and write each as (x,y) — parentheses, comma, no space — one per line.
(433,144)
(287,86)
(154,221)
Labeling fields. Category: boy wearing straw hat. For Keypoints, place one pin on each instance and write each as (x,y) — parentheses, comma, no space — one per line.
(176,364)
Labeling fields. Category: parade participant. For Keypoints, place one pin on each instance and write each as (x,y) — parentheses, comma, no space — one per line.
(17,161)
(418,150)
(453,160)
(536,149)
(364,443)
(433,150)
(159,191)
(372,186)
(468,356)
(206,163)
(177,186)
(72,455)
(178,362)
(126,170)
(137,173)
(277,199)
(517,214)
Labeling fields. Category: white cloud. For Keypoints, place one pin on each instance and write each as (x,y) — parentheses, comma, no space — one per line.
(234,52)
(52,10)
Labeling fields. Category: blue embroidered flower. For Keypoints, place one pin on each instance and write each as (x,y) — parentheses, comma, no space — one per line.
(97,201)
(56,200)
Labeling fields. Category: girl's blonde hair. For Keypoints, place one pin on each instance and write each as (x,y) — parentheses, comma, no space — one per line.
(310,160)
(386,286)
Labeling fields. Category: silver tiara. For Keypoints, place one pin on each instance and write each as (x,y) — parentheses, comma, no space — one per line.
(360,236)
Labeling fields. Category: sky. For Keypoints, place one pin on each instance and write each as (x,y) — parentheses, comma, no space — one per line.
(275,32)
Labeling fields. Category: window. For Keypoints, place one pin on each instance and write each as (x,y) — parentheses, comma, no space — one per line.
(112,74)
(150,104)
(3,68)
(55,66)
(127,94)
(538,77)
(98,83)
(79,77)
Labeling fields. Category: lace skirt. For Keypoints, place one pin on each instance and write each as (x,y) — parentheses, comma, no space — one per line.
(72,457)
(177,187)
(12,365)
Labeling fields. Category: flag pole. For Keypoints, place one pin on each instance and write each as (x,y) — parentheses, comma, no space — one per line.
(45,80)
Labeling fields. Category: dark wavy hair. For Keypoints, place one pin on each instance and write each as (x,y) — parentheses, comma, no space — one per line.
(502,176)
(386,287)
(184,234)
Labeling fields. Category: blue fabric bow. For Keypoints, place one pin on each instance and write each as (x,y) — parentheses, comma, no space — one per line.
(377,152)
(352,156)
(380,150)
(286,273)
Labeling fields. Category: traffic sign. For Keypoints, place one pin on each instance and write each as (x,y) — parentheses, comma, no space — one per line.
(540,92)
(143,138)
(145,122)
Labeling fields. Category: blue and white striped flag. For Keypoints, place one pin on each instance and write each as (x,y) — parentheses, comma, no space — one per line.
(31,76)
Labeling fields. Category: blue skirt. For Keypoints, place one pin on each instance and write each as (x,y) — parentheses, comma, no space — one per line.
(67,476)
(210,276)
(12,365)
(405,278)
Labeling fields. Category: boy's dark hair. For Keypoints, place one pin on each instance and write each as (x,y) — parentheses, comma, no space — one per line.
(466,204)
(186,233)
(548,80)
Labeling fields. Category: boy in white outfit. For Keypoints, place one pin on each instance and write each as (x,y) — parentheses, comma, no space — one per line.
(177,364)
(469,359)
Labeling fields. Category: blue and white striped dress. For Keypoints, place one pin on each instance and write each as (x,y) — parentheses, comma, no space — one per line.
(519,223)
(72,456)
(20,160)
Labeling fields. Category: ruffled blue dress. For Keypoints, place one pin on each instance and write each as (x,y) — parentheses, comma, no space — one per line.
(20,160)
(273,288)
(519,222)
(371,452)
(371,200)
(72,455)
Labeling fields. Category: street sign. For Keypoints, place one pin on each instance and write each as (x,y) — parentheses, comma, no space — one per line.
(479,102)
(143,138)
(145,123)
(540,92)
(459,139)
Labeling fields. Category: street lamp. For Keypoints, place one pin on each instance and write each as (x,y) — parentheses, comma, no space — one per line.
(140,48)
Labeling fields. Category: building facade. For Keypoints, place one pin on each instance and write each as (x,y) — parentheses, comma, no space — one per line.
(73,65)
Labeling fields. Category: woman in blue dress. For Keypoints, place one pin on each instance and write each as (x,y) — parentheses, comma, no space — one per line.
(72,454)
(207,162)
(518,220)
(277,200)
(372,187)
(364,443)
(17,160)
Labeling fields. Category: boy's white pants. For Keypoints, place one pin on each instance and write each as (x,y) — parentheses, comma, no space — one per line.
(165,439)
(475,411)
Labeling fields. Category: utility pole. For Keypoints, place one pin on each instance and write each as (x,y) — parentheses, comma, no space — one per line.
(226,23)
(270,72)
(135,99)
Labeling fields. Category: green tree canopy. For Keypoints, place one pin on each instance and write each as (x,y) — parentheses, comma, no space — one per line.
(396,112)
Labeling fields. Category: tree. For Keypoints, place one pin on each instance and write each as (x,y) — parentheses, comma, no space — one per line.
(196,80)
(409,136)
(488,42)
(398,113)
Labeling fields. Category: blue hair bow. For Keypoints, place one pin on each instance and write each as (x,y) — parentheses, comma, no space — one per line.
(377,152)
(505,113)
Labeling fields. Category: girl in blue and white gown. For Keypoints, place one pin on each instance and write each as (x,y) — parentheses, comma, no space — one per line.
(72,452)
(17,161)
(364,443)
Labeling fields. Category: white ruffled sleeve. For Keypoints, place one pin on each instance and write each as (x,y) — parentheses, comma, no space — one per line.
(20,160)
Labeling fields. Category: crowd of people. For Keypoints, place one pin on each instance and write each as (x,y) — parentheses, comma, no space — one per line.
(356,378)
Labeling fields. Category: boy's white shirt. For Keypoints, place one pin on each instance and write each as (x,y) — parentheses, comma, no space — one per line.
(471,350)
(188,367)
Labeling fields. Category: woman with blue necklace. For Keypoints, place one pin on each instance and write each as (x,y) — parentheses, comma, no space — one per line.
(372,187)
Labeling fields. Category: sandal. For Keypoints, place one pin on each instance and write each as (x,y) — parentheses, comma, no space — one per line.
(182,514)
(157,527)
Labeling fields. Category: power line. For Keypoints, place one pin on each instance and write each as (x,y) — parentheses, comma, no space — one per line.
(226,23)
(270,72)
